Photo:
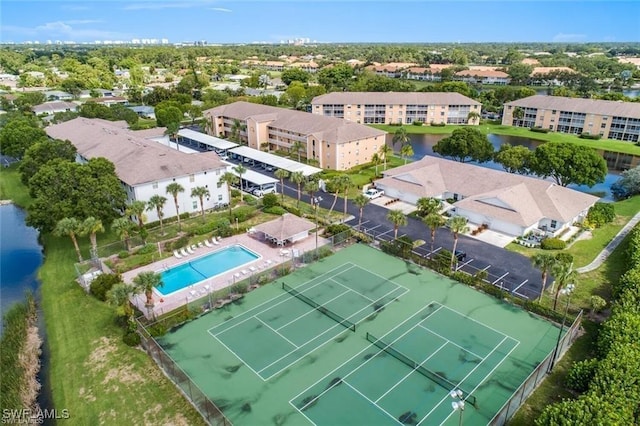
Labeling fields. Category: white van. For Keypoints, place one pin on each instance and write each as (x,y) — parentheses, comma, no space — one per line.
(260,192)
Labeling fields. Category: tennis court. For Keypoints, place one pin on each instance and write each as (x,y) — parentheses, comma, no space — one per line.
(290,326)
(361,337)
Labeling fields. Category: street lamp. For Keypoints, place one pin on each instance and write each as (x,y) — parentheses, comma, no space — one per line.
(458,403)
(316,201)
(565,291)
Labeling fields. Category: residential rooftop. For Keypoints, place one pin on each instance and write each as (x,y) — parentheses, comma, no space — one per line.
(394,98)
(586,106)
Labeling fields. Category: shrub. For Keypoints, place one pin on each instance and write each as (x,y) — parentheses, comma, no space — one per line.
(293,210)
(600,214)
(212,226)
(434,124)
(417,123)
(552,244)
(270,200)
(597,303)
(180,242)
(590,136)
(250,200)
(275,210)
(102,284)
(539,130)
(243,213)
(131,338)
(235,193)
(148,248)
(580,374)
(123,254)
(336,228)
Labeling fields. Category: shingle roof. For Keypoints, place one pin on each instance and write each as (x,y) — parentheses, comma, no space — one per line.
(514,198)
(394,98)
(482,73)
(286,226)
(329,129)
(136,159)
(54,106)
(587,106)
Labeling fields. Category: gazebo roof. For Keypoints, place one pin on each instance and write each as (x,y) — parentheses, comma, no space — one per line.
(285,227)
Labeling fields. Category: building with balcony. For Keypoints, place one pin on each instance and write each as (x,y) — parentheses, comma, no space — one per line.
(331,142)
(398,107)
(609,119)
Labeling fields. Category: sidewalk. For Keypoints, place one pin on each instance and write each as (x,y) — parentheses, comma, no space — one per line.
(604,254)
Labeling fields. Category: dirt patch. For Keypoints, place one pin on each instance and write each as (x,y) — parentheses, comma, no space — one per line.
(104,348)
(125,375)
(86,394)
(154,416)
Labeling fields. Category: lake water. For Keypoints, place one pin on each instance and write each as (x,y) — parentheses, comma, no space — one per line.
(423,145)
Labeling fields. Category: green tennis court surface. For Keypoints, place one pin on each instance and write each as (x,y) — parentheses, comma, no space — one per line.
(361,338)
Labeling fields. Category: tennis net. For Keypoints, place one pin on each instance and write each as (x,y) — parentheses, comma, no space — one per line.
(342,321)
(445,383)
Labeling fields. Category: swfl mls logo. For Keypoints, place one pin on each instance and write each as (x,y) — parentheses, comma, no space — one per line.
(36,417)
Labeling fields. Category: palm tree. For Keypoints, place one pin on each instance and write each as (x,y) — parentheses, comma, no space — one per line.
(120,295)
(92,226)
(401,137)
(564,274)
(375,159)
(282,174)
(236,128)
(172,132)
(472,117)
(433,221)
(298,146)
(229,179)
(297,178)
(518,114)
(137,209)
(145,282)
(384,152)
(398,219)
(361,201)
(157,202)
(346,186)
(174,188)
(428,205)
(240,170)
(406,151)
(311,187)
(544,262)
(72,227)
(338,182)
(457,225)
(200,192)
(123,227)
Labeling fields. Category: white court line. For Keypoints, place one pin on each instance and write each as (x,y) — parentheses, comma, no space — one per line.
(313,310)
(367,398)
(450,341)
(413,370)
(236,355)
(276,331)
(352,290)
(365,349)
(498,279)
(482,324)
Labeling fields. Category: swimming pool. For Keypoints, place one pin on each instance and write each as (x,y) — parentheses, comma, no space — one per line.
(204,267)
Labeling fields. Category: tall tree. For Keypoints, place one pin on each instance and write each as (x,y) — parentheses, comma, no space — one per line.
(281,174)
(346,187)
(172,131)
(200,192)
(473,117)
(18,135)
(297,147)
(237,127)
(428,205)
(628,184)
(558,160)
(433,221)
(337,184)
(398,219)
(514,159)
(40,153)
(228,179)
(157,202)
(544,262)
(298,178)
(120,295)
(311,187)
(465,144)
(457,225)
(92,226)
(72,227)
(406,151)
(361,201)
(240,170)
(375,159)
(145,282)
(137,208)
(123,227)
(564,275)
(400,137)
(384,152)
(174,188)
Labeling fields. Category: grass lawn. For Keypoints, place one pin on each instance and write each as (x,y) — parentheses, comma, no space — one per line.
(93,374)
(364,176)
(499,129)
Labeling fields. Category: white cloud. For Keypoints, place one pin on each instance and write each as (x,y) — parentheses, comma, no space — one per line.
(159,5)
(65,30)
(562,37)
(221,9)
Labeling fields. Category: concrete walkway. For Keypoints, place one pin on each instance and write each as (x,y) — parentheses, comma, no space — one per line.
(604,254)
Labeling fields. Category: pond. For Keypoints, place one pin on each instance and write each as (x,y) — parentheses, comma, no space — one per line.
(423,145)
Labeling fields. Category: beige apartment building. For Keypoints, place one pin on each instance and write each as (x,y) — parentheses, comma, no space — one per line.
(332,142)
(398,107)
(609,119)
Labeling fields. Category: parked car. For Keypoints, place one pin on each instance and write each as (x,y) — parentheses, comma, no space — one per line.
(259,192)
(460,255)
(373,193)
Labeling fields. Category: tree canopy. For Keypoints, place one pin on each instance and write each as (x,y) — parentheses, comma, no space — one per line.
(465,144)
(628,184)
(568,164)
(18,135)
(514,159)
(40,153)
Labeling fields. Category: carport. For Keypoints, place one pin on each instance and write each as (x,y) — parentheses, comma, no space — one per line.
(252,180)
(255,156)
(288,228)
(204,142)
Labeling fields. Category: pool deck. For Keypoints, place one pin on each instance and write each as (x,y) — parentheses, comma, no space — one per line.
(270,256)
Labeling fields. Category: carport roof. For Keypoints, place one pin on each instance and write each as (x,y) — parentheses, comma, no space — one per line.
(275,161)
(255,177)
(206,139)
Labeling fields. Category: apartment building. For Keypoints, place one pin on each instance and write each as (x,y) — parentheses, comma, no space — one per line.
(397,107)
(488,76)
(332,142)
(609,119)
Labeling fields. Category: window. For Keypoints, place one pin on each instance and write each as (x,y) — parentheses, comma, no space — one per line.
(554,224)
(195,205)
(218,172)
(192,178)
(219,197)
(155,185)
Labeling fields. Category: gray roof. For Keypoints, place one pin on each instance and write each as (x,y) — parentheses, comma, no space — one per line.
(329,129)
(253,176)
(286,226)
(54,107)
(586,106)
(394,98)
(206,139)
(274,160)
(514,198)
(136,159)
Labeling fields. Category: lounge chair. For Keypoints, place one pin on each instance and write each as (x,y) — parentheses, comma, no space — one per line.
(200,244)
(252,268)
(216,242)
(208,243)
(183,252)
(237,275)
(219,238)
(190,250)
(244,272)
(176,254)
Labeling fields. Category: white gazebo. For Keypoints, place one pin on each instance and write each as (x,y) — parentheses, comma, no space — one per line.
(288,228)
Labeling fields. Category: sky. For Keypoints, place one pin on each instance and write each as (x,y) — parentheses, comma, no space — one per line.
(331,21)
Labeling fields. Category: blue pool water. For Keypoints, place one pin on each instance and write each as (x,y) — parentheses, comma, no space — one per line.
(204,267)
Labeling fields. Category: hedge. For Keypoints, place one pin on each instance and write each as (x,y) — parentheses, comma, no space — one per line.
(553,244)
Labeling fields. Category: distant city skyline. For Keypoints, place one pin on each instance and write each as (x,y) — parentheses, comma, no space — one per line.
(323,21)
